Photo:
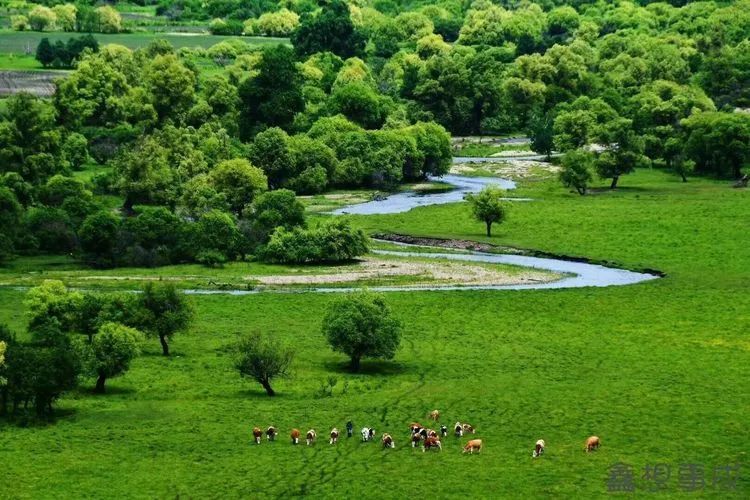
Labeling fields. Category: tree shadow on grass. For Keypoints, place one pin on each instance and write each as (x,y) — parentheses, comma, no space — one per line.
(27,418)
(369,367)
(259,393)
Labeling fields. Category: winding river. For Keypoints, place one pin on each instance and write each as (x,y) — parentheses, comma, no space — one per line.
(577,274)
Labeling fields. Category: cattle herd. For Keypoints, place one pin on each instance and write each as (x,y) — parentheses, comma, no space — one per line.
(428,439)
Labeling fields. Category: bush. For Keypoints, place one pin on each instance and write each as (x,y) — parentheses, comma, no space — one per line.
(334,241)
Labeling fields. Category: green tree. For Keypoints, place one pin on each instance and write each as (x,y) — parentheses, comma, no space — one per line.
(361,325)
(330,30)
(577,166)
(165,311)
(274,96)
(718,143)
(45,53)
(75,150)
(487,206)
(270,152)
(143,173)
(624,151)
(239,181)
(98,237)
(279,208)
(42,18)
(262,359)
(109,20)
(170,84)
(51,303)
(359,103)
(111,351)
(216,235)
(541,134)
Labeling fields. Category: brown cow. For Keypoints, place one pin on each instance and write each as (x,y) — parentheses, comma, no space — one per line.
(388,441)
(435,415)
(414,427)
(310,437)
(432,442)
(271,433)
(334,436)
(592,443)
(415,439)
(468,428)
(432,433)
(474,444)
(295,436)
(257,434)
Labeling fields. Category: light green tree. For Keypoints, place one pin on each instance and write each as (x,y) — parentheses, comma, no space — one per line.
(111,351)
(42,18)
(239,181)
(487,206)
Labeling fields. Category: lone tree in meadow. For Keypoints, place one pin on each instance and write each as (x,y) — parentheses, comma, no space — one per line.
(262,360)
(577,170)
(360,325)
(487,206)
(112,349)
(164,312)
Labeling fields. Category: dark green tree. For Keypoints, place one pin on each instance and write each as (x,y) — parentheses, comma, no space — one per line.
(361,325)
(329,30)
(262,359)
(272,98)
(45,53)
(165,311)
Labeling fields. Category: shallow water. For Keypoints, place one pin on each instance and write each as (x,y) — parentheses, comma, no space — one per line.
(403,202)
(583,275)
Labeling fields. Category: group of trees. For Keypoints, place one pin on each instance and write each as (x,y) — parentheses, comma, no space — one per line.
(63,54)
(75,336)
(80,17)
(360,325)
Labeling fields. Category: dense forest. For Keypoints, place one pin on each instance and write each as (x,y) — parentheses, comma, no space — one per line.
(203,165)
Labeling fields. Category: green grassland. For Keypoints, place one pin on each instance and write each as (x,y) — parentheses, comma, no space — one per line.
(18,42)
(658,370)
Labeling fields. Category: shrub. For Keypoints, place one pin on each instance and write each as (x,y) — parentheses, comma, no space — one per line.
(334,241)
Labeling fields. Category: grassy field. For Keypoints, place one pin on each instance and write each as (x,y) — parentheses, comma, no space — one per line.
(15,42)
(658,370)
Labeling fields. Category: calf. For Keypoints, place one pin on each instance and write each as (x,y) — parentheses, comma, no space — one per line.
(310,437)
(458,429)
(538,448)
(271,433)
(334,436)
(592,443)
(432,442)
(367,433)
(434,415)
(295,436)
(468,428)
(257,434)
(388,441)
(474,444)
(443,431)
(415,439)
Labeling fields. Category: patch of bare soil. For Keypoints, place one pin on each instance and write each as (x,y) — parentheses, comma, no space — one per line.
(373,268)
(508,168)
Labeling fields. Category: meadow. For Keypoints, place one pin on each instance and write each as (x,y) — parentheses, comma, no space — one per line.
(657,370)
(25,42)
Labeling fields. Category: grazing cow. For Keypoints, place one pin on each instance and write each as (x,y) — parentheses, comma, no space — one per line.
(474,444)
(257,434)
(388,441)
(443,431)
(334,435)
(431,433)
(434,415)
(310,437)
(271,433)
(415,439)
(458,429)
(432,442)
(367,433)
(414,427)
(592,443)
(538,448)
(468,428)
(295,436)
(349,429)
